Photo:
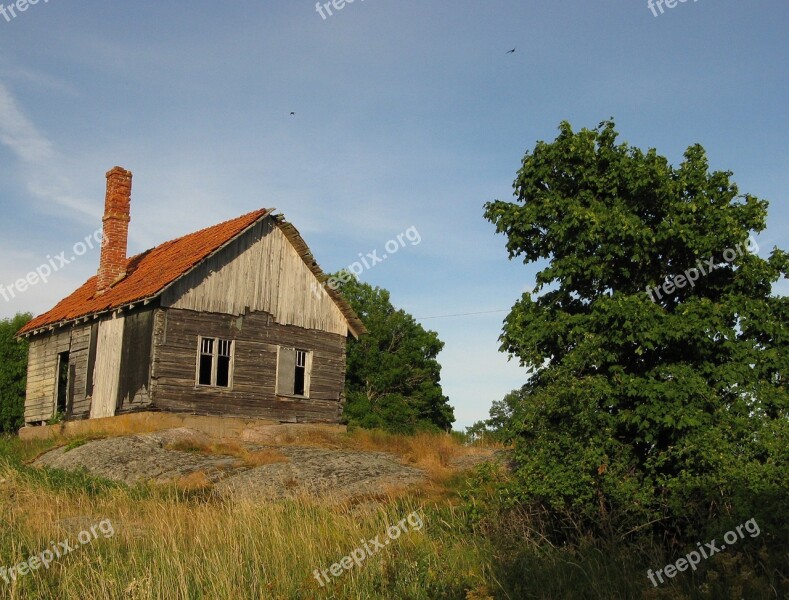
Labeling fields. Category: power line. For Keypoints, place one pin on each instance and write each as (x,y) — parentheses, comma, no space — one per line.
(484,312)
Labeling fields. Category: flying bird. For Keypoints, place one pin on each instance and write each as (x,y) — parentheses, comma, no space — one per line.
(510,51)
(293,113)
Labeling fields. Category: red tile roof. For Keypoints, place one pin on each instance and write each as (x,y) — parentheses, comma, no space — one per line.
(148,273)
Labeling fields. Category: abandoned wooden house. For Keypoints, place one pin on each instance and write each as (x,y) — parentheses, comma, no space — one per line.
(232,320)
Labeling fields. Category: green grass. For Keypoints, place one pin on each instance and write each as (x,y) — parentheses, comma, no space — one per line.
(174,544)
(75,444)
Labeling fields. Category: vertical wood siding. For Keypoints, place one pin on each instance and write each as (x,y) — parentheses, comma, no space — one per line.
(42,375)
(260,271)
(136,361)
(106,377)
(78,361)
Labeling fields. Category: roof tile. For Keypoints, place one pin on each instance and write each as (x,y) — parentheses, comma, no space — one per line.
(148,273)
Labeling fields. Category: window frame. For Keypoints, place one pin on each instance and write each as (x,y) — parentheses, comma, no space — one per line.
(215,346)
(290,379)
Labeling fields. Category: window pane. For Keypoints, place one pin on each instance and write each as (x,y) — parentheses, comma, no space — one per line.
(208,346)
(206,362)
(298,381)
(223,371)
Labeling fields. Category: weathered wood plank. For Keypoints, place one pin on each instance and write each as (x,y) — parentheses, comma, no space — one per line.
(78,359)
(260,271)
(42,364)
(257,338)
(136,360)
(108,364)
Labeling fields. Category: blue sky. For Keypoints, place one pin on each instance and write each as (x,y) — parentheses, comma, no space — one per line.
(408,114)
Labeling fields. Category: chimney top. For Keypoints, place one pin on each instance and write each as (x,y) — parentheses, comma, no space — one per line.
(117,201)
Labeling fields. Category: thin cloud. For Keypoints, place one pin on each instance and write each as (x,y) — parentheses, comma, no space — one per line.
(19,134)
(38,156)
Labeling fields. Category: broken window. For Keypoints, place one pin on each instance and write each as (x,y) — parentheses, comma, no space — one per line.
(293,372)
(215,362)
(300,373)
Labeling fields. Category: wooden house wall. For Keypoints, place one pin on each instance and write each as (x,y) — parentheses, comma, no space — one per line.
(159,340)
(42,376)
(78,361)
(253,393)
(106,375)
(134,380)
(259,272)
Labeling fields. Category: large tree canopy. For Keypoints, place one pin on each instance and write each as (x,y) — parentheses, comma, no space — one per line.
(644,402)
(13,370)
(393,376)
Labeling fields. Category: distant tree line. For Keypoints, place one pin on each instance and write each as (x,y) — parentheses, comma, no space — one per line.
(393,375)
(13,373)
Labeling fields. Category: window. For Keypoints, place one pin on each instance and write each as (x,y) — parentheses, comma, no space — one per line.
(299,377)
(215,362)
(293,372)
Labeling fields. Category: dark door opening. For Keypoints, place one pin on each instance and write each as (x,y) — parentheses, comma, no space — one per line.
(62,405)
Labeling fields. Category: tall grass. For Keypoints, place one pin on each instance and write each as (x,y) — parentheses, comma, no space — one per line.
(166,547)
(176,543)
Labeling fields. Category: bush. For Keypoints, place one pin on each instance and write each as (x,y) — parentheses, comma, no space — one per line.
(13,371)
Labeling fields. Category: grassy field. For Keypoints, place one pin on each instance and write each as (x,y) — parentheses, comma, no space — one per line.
(179,542)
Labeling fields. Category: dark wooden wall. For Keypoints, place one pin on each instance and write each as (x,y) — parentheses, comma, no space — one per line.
(78,361)
(253,393)
(133,392)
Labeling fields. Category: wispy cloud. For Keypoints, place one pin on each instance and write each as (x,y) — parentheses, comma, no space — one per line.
(41,81)
(38,157)
(19,134)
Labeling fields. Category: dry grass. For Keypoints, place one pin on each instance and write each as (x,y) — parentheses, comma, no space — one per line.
(431,452)
(193,482)
(165,548)
(438,454)
(249,458)
(434,453)
(179,546)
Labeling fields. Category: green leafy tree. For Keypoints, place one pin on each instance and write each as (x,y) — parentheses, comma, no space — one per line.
(13,372)
(669,407)
(505,422)
(393,377)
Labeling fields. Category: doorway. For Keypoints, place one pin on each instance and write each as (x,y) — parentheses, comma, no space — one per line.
(62,392)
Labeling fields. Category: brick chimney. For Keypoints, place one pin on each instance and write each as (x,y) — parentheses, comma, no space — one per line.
(112,264)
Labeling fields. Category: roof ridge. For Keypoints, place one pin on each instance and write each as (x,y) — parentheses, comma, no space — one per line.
(153,271)
(262,211)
